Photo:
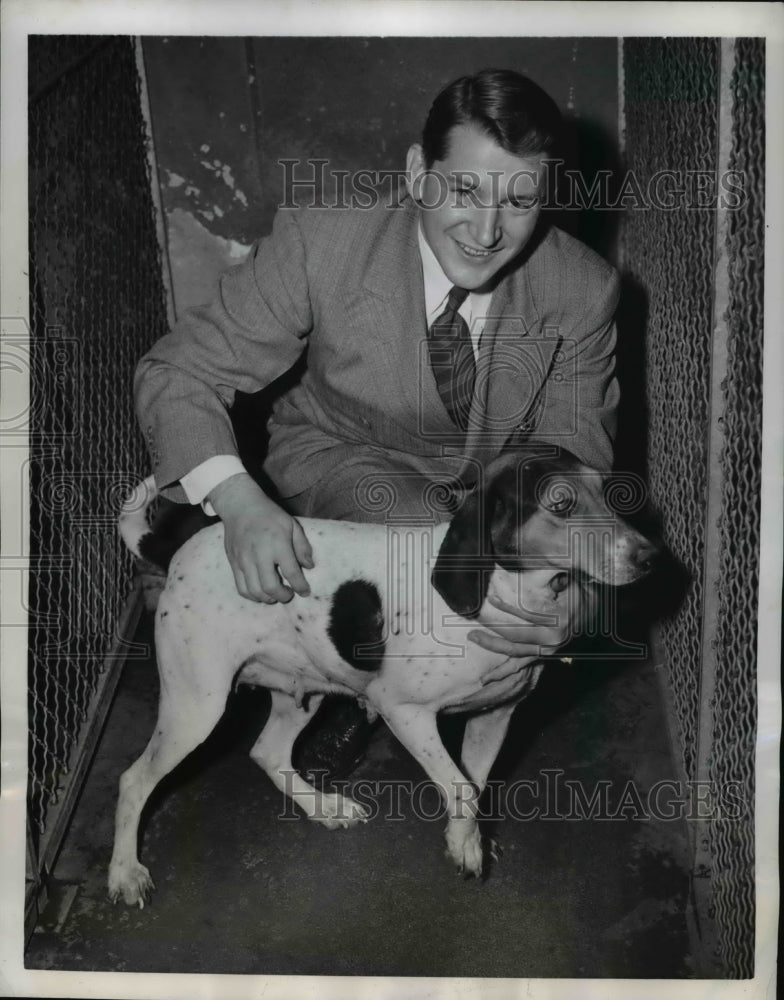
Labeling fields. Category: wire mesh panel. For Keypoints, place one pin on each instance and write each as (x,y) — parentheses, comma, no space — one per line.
(671,122)
(688,115)
(735,704)
(97,301)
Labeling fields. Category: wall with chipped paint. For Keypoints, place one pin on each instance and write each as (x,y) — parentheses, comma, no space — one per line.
(226,111)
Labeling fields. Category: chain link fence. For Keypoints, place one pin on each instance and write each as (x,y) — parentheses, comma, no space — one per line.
(96,302)
(738,529)
(704,377)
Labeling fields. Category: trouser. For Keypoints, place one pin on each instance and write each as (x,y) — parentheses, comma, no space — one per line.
(376,489)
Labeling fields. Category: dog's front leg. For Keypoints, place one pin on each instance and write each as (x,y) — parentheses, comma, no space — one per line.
(482,740)
(486,731)
(415,727)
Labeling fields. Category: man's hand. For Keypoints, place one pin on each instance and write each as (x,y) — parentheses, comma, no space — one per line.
(267,548)
(527,639)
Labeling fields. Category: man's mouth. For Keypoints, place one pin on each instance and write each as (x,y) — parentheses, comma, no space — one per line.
(473,252)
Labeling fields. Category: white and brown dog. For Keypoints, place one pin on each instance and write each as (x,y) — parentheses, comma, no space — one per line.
(385,622)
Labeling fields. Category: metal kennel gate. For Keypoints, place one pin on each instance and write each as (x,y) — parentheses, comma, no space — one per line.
(695,108)
(96,301)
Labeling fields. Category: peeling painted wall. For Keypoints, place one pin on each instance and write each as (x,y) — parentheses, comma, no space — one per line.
(225,111)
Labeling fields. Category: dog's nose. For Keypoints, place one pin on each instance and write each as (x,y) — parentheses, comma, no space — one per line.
(645,557)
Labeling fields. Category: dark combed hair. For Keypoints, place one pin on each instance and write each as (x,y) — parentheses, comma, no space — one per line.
(507,106)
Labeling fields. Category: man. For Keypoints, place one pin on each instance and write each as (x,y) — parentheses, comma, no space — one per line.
(436,329)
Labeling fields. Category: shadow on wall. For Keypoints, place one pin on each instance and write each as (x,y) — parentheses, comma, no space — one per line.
(590,196)
(596,157)
(631,444)
(595,216)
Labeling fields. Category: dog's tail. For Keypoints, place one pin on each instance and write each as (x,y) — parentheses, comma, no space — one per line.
(132,522)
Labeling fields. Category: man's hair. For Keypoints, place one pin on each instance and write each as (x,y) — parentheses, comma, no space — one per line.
(505,105)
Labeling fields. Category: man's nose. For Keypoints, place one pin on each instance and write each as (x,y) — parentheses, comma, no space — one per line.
(485,226)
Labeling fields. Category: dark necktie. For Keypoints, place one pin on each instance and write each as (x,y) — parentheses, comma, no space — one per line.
(452,358)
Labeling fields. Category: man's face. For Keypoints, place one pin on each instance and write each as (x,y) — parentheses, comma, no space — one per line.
(479,206)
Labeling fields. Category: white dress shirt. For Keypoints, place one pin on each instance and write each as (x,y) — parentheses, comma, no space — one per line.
(437,288)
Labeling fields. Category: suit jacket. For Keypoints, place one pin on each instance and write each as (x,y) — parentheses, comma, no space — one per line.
(346,285)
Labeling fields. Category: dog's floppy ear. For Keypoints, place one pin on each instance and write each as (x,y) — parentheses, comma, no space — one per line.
(484,531)
(511,500)
(465,559)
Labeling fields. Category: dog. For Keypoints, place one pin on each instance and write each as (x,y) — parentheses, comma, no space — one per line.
(385,623)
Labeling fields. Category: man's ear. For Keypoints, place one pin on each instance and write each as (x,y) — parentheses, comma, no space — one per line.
(415,171)
(465,560)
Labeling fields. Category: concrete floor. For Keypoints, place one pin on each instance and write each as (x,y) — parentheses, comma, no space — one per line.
(240,890)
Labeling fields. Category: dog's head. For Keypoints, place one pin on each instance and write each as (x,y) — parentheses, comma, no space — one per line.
(538,507)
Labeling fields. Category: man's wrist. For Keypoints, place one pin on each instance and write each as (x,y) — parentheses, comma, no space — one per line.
(203,478)
(235,493)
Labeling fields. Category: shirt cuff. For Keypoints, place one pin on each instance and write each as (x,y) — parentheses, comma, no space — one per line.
(202,480)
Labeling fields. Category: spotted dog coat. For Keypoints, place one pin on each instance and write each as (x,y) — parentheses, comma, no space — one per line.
(388,630)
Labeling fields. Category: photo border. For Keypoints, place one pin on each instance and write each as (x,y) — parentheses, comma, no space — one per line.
(400,18)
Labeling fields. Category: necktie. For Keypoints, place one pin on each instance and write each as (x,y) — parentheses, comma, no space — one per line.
(452,358)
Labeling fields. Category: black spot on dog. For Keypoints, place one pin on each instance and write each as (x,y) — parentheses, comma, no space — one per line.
(356,624)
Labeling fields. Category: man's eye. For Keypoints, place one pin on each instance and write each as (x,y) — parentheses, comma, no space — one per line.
(523,204)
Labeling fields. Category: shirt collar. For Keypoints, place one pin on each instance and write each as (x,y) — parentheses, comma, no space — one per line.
(437,285)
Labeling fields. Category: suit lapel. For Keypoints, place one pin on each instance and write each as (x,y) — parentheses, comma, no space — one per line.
(515,354)
(394,302)
(515,357)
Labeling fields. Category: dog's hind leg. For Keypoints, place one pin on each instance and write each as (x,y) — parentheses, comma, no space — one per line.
(272,752)
(184,721)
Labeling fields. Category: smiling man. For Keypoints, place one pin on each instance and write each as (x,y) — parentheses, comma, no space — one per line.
(436,329)
(479,204)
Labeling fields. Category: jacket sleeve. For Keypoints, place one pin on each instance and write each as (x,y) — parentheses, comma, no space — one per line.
(253,332)
(577,407)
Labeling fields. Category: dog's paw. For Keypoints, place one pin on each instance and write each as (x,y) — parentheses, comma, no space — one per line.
(133,884)
(336,811)
(464,847)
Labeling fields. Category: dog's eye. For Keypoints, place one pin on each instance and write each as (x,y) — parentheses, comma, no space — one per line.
(561,505)
(558,496)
